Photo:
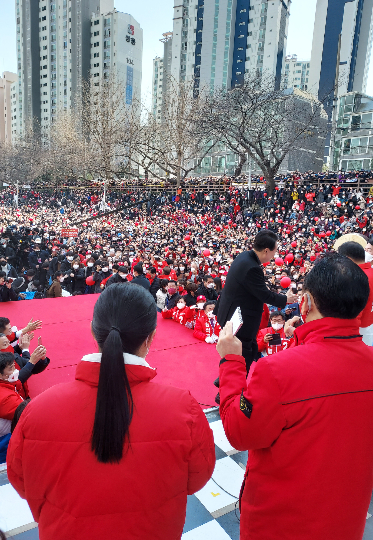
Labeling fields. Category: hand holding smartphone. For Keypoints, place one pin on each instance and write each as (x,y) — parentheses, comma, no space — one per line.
(236,321)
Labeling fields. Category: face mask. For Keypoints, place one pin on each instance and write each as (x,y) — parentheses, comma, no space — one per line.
(123,276)
(277,326)
(90,265)
(70,259)
(171,290)
(105,269)
(14,376)
(211,285)
(200,306)
(180,305)
(76,266)
(2,263)
(210,315)
(182,268)
(368,257)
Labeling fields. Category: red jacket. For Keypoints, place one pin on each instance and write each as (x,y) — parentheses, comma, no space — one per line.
(309,435)
(181,316)
(203,327)
(9,399)
(72,495)
(272,349)
(365,318)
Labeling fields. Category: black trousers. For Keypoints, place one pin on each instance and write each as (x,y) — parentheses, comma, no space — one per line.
(250,352)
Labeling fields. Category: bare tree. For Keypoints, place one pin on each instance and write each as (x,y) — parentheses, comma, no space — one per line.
(175,145)
(264,124)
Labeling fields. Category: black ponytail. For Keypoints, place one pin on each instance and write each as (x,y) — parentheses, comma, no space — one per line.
(124,316)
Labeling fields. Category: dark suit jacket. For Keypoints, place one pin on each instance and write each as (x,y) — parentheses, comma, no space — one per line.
(245,287)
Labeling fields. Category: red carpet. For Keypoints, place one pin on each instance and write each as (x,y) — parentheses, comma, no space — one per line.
(180,359)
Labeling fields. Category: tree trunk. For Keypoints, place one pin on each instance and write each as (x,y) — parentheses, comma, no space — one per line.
(270,181)
(178,173)
(242,162)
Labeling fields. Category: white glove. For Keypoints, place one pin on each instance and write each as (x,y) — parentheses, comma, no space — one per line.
(209,339)
(215,338)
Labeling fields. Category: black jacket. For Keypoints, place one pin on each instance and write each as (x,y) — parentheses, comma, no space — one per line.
(141,280)
(155,286)
(190,300)
(7,294)
(245,287)
(115,278)
(209,294)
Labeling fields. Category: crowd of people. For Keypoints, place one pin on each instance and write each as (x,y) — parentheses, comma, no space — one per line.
(197,256)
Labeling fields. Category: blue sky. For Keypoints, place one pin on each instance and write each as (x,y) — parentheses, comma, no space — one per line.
(155,19)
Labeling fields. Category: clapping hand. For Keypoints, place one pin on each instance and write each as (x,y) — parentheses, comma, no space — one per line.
(39,353)
(32,325)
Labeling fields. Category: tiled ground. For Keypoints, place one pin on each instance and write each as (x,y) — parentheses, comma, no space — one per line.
(212,513)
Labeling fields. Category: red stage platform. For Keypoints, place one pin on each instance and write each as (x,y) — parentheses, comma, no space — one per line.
(180,359)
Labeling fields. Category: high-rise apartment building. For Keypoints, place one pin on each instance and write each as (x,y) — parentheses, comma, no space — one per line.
(296,73)
(157,88)
(161,75)
(345,26)
(53,54)
(116,48)
(217,41)
(8,106)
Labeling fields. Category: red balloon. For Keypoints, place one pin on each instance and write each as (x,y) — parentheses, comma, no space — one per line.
(339,204)
(136,224)
(289,258)
(187,237)
(312,258)
(206,252)
(277,211)
(279,261)
(316,218)
(312,229)
(294,244)
(280,221)
(328,233)
(322,235)
(283,208)
(285,282)
(265,194)
(277,188)
(357,207)
(266,264)
(90,281)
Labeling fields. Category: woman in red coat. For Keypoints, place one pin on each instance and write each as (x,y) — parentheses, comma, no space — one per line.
(112,455)
(207,328)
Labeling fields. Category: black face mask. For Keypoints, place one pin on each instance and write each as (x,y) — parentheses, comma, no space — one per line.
(2,263)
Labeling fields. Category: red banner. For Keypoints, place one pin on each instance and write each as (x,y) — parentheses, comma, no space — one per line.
(69,233)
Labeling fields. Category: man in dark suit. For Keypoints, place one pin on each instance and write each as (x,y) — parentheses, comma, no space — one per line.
(245,287)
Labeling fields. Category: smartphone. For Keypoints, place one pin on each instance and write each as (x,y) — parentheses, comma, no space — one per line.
(276,340)
(39,341)
(294,289)
(236,320)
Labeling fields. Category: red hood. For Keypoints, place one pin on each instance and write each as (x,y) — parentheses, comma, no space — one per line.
(327,328)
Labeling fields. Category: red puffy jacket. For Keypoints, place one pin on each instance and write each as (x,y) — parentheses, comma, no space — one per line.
(72,495)
(305,415)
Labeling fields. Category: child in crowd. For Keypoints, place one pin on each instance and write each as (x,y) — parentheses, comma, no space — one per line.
(207,328)
(181,313)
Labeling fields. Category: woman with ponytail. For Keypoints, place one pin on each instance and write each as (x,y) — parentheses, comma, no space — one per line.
(112,454)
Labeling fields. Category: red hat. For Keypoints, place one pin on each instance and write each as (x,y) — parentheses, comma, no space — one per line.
(201,298)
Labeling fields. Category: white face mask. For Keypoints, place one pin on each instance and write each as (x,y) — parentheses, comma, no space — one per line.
(211,285)
(76,266)
(368,257)
(277,326)
(14,376)
(210,315)
(123,276)
(180,305)
(70,259)
(200,306)
(90,265)
(105,269)
(182,268)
